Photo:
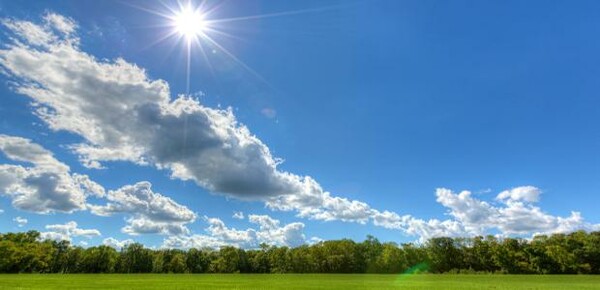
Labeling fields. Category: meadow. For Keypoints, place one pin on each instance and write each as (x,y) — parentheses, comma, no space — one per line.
(295,281)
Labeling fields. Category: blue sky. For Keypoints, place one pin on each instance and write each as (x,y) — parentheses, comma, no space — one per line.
(401,119)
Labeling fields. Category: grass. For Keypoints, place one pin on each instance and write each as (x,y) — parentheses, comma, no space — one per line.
(295,281)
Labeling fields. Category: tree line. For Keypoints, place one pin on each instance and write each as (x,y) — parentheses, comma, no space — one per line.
(575,253)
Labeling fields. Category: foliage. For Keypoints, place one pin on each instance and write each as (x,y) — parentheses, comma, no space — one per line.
(575,253)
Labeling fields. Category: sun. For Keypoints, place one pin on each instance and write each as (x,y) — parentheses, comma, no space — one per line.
(189,23)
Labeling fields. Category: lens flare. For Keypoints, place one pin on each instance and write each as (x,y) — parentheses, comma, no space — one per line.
(189,23)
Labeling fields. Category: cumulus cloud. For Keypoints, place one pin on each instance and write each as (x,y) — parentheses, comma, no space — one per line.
(424,229)
(20,221)
(271,232)
(46,185)
(124,115)
(218,234)
(524,193)
(60,232)
(150,212)
(117,244)
(516,215)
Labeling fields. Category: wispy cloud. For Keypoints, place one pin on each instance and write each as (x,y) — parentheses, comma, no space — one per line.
(60,232)
(20,221)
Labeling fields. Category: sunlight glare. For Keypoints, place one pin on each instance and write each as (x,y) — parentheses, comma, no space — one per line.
(190,23)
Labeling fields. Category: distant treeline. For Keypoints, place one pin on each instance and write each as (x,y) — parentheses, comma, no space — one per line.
(575,253)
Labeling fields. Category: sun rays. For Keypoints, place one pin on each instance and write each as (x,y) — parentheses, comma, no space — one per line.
(193,26)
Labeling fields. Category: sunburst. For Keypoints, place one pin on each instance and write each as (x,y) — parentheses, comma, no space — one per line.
(191,24)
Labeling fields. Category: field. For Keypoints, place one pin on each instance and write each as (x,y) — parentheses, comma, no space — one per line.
(290,282)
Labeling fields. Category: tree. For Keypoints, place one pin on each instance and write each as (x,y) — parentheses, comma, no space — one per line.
(391,259)
(197,261)
(135,258)
(577,252)
(227,262)
(443,255)
(371,249)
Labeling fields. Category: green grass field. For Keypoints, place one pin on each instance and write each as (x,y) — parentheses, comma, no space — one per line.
(289,282)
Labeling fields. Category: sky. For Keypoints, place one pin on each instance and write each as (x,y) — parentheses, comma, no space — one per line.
(203,124)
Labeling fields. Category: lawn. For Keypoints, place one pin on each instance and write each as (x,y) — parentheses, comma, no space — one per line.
(298,281)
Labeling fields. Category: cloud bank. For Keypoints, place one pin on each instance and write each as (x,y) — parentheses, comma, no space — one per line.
(122,114)
(49,187)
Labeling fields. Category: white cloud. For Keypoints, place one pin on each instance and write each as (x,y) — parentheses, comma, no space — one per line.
(516,215)
(150,212)
(424,229)
(137,226)
(45,187)
(20,221)
(65,26)
(270,232)
(472,213)
(218,235)
(117,244)
(193,241)
(48,186)
(238,215)
(123,115)
(525,193)
(66,231)
(30,32)
(312,202)
(471,216)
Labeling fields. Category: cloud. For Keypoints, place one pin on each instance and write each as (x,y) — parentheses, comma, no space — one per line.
(424,229)
(59,232)
(516,215)
(238,215)
(472,213)
(48,186)
(45,187)
(123,115)
(270,232)
(312,202)
(117,244)
(471,216)
(218,235)
(150,212)
(20,221)
(524,193)
(65,26)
